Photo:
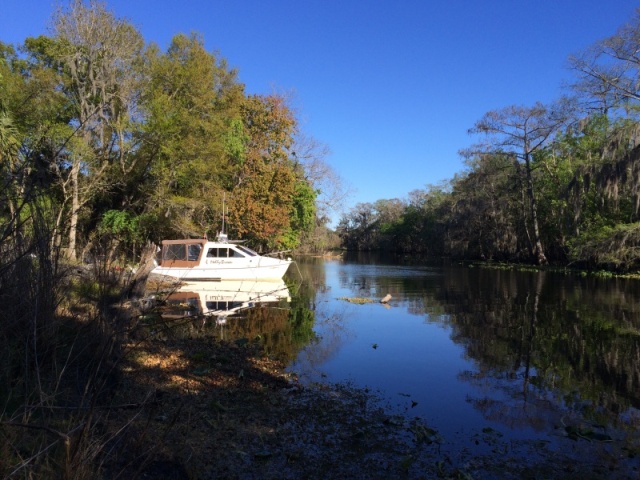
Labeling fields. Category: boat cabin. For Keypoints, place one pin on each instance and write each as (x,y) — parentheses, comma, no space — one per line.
(190,252)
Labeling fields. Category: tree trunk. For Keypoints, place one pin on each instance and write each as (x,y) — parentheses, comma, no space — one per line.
(538,251)
(138,284)
(75,206)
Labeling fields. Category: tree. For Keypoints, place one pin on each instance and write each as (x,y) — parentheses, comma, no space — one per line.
(609,71)
(9,142)
(35,125)
(329,192)
(97,52)
(263,198)
(484,217)
(601,189)
(389,216)
(332,192)
(193,136)
(522,132)
(357,228)
(9,148)
(303,214)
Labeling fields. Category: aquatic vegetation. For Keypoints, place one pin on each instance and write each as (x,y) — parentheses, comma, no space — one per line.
(357,300)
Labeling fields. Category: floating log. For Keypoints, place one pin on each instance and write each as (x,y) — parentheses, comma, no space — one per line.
(386,298)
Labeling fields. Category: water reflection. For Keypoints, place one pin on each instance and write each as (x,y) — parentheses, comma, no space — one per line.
(223,299)
(552,331)
(536,355)
(263,312)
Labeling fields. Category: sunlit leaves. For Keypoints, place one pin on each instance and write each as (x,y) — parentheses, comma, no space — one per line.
(266,188)
(119,126)
(189,135)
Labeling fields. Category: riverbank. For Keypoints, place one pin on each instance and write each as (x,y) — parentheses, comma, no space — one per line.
(216,409)
(223,410)
(129,394)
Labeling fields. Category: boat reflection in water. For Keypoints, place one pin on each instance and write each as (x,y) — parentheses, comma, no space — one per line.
(223,299)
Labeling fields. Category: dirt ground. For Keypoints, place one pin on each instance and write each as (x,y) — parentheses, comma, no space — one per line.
(212,409)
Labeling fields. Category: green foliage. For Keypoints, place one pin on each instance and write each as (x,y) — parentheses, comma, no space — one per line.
(550,182)
(104,144)
(396,226)
(268,205)
(302,321)
(235,141)
(613,246)
(176,133)
(121,224)
(587,203)
(304,207)
(191,125)
(288,240)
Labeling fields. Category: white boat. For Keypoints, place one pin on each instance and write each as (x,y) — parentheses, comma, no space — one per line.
(225,298)
(200,259)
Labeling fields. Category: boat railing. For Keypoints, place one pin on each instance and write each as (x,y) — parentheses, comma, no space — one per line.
(274,254)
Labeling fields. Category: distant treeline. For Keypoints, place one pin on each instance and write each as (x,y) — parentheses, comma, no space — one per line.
(555,183)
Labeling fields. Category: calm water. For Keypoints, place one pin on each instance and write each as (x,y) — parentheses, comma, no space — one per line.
(542,357)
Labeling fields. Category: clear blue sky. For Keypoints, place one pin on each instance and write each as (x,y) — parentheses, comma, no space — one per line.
(391,86)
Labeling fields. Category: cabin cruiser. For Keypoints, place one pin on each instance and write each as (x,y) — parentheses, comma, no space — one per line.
(192,260)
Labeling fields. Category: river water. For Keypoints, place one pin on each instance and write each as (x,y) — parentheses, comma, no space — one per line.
(549,360)
(550,357)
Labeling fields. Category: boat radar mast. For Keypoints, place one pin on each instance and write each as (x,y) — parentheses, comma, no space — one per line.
(222,236)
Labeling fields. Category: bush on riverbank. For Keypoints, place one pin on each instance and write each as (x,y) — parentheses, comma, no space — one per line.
(61,343)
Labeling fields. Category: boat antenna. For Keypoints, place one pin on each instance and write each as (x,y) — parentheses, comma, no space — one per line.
(224,198)
(222,237)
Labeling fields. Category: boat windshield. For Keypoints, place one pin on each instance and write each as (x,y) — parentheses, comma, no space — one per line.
(246,250)
(194,252)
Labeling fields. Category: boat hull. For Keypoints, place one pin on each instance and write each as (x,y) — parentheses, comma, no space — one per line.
(271,271)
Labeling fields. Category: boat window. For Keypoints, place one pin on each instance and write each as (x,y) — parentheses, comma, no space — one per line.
(246,250)
(223,305)
(194,252)
(235,253)
(174,252)
(218,253)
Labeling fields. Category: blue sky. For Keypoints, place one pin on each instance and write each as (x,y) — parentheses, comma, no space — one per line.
(390,86)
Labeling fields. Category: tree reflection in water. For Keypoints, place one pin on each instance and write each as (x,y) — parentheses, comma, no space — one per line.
(559,352)
(548,356)
(531,356)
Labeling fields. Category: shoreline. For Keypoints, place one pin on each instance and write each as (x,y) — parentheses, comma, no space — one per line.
(220,409)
